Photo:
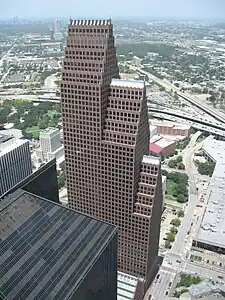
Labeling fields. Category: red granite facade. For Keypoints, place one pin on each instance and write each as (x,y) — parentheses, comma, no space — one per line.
(106,136)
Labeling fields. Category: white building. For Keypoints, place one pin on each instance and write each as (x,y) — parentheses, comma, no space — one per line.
(57,31)
(136,61)
(50,142)
(15,162)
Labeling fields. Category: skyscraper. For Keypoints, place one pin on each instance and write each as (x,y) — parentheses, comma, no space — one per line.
(106,136)
(15,162)
(51,252)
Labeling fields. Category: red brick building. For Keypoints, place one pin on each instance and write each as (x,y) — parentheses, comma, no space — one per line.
(106,136)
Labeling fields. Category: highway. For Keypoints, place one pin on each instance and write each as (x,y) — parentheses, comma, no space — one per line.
(179,114)
(175,259)
(191,99)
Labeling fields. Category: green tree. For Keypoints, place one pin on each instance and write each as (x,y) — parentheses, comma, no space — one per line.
(175,222)
(167,244)
(171,237)
(61,180)
(173,229)
(172,164)
(181,198)
(179,159)
(206,168)
(181,166)
(180,213)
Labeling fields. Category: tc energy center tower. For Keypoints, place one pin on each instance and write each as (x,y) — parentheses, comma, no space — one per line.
(106,136)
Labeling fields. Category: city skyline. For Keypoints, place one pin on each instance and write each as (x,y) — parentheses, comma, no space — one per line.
(143,8)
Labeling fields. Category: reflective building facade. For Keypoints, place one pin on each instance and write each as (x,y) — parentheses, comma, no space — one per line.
(106,136)
(51,252)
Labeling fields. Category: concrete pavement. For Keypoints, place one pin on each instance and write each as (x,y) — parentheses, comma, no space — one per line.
(175,259)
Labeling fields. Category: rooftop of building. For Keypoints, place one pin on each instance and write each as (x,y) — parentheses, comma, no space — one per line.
(10,145)
(212,228)
(4,138)
(174,125)
(152,160)
(212,224)
(49,130)
(214,148)
(164,142)
(46,249)
(134,84)
(155,148)
(126,286)
(90,22)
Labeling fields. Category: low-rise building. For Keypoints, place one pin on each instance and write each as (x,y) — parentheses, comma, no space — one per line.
(210,232)
(171,128)
(162,146)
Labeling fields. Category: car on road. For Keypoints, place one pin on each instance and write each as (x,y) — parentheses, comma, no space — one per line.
(167,292)
(220,277)
(157,277)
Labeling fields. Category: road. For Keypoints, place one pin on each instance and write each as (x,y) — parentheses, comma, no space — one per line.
(49,83)
(179,244)
(203,271)
(175,259)
(192,99)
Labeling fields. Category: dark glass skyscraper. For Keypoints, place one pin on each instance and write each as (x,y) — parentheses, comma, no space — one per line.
(106,135)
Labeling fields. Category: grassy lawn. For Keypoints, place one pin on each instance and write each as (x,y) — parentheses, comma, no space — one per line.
(34,130)
(169,188)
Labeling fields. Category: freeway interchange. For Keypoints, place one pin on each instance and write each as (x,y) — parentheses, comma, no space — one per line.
(168,86)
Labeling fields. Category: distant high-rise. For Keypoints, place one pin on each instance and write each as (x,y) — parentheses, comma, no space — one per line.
(15,162)
(106,136)
(57,30)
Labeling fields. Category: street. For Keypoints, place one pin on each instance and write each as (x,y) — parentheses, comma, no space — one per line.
(175,259)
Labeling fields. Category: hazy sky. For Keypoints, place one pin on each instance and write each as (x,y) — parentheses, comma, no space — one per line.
(114,8)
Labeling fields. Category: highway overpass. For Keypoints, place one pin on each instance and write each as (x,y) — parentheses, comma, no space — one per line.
(187,117)
(191,99)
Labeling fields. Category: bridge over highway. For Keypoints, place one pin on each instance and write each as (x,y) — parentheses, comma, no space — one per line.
(191,99)
(219,126)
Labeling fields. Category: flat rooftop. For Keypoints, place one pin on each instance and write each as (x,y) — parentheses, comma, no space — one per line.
(152,160)
(135,84)
(212,224)
(170,124)
(214,148)
(46,249)
(126,286)
(4,138)
(10,145)
(49,130)
(164,142)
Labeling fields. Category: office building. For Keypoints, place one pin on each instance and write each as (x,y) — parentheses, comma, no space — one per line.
(49,143)
(43,183)
(15,162)
(136,61)
(171,128)
(51,252)
(57,31)
(106,137)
